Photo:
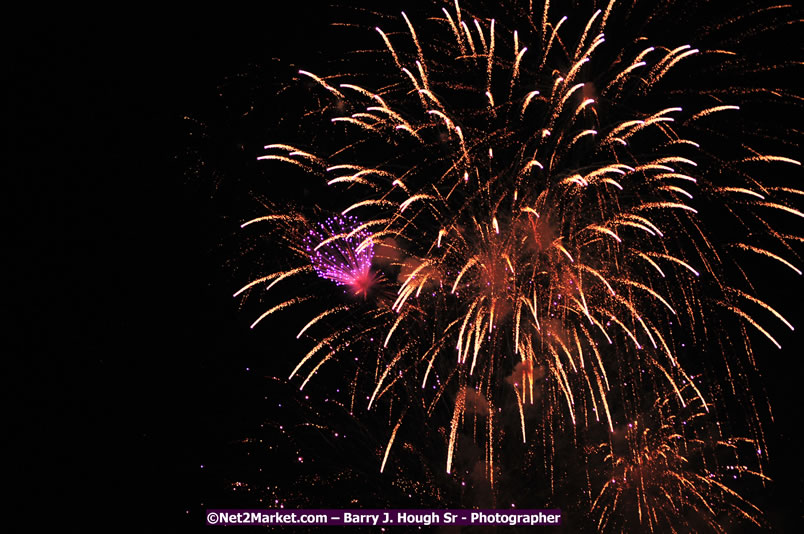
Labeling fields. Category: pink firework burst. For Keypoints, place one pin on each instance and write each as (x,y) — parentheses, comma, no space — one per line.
(341,251)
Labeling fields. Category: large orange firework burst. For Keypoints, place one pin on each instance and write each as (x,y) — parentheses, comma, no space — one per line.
(558,218)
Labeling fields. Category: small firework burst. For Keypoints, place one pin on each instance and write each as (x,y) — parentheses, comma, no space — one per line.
(670,470)
(341,251)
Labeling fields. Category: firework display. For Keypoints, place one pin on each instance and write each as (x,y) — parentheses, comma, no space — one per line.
(541,227)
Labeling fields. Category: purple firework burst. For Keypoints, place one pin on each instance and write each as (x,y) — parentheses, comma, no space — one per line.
(336,253)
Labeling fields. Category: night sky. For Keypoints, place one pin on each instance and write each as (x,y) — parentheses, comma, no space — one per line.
(131,141)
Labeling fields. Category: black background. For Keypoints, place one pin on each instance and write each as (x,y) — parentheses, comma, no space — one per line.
(125,355)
